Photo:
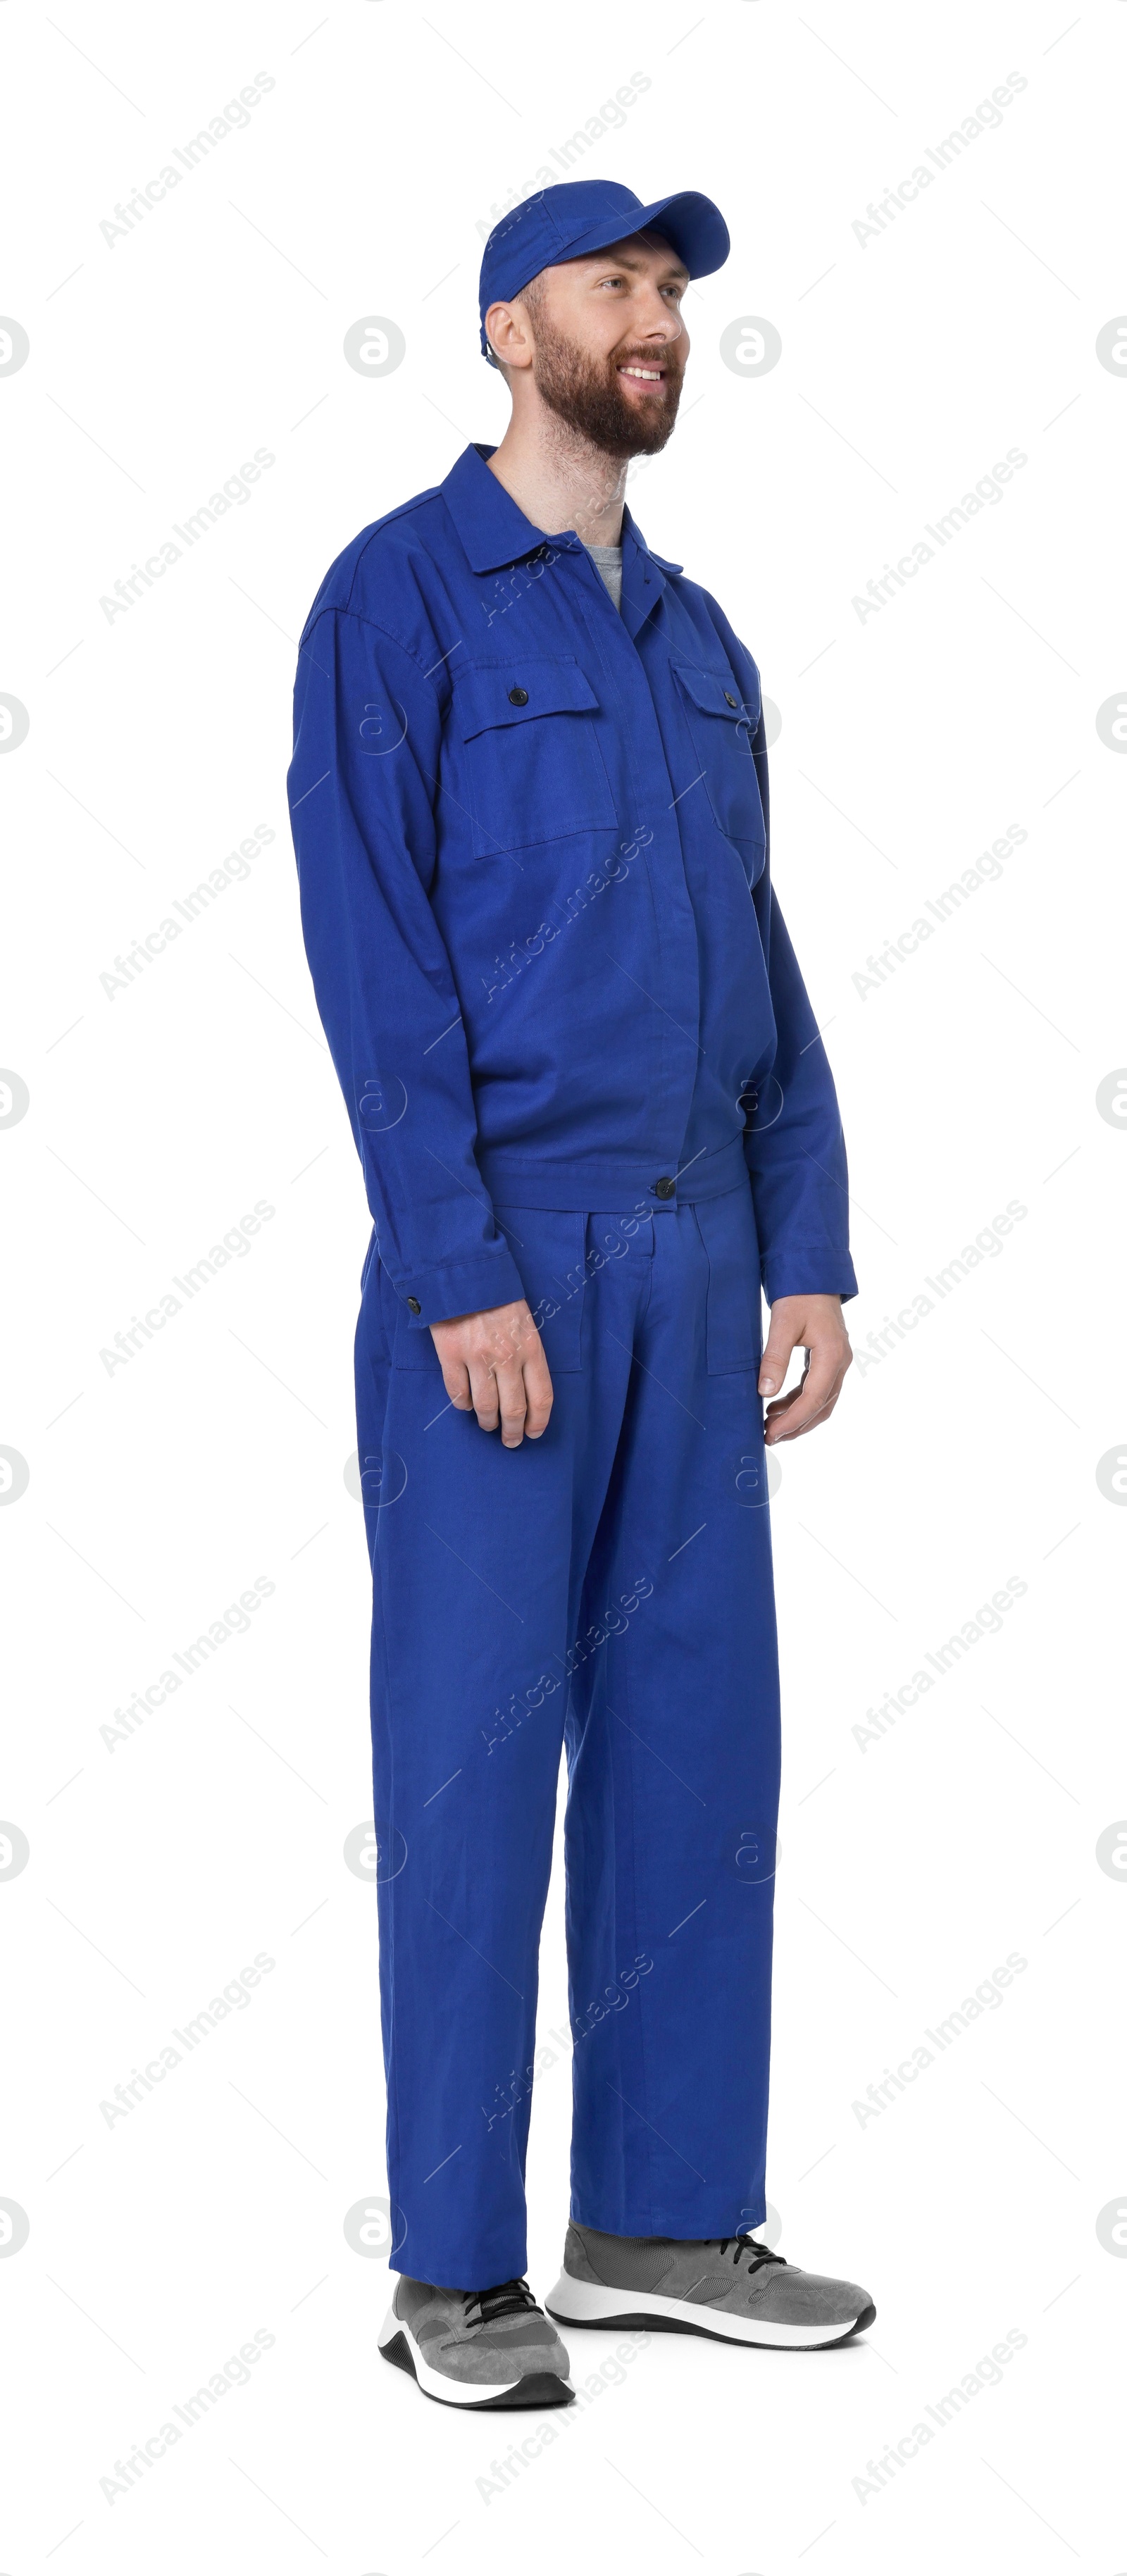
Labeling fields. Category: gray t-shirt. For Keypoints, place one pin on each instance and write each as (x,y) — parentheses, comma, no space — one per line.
(609,561)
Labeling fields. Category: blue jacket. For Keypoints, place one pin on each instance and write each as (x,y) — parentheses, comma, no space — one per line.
(532,849)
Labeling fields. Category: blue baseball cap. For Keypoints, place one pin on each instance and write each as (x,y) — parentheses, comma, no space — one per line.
(587,215)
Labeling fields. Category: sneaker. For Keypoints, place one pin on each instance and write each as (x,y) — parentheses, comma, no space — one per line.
(476,2347)
(729,2287)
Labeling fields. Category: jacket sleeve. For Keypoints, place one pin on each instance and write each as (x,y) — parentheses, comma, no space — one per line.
(362,785)
(793,1138)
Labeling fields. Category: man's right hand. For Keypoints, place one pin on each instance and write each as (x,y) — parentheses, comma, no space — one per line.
(493,1365)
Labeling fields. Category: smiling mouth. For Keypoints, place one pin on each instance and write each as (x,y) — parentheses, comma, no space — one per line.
(643,375)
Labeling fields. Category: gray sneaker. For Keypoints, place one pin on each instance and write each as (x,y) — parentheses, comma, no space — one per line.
(729,2287)
(476,2347)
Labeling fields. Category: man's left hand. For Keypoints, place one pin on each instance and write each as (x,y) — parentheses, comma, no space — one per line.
(815,1325)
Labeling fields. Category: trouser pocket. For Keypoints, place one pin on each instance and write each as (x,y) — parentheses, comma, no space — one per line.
(547,1245)
(734,1316)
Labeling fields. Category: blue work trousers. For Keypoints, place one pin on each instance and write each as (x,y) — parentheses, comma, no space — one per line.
(607,1587)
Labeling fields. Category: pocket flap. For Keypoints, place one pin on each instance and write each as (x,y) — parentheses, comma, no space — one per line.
(509,693)
(716,694)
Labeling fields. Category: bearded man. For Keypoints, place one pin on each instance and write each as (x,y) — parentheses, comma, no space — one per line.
(597,1128)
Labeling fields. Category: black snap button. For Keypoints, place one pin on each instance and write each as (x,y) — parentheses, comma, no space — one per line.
(729,700)
(665,1188)
(519,698)
(414,1305)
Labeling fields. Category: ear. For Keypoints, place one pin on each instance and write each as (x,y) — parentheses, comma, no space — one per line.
(507,332)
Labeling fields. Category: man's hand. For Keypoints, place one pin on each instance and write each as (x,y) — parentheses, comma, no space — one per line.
(816,1325)
(493,1365)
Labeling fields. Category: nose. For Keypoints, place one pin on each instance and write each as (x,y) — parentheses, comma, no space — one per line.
(658,330)
(660,322)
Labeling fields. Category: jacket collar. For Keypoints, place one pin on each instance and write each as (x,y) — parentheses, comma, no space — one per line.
(494,531)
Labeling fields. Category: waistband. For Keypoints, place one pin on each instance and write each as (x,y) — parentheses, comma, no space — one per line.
(579,1185)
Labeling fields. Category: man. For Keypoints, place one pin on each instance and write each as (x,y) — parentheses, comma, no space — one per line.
(529,798)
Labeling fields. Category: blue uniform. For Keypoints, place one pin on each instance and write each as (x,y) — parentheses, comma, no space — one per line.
(581,1067)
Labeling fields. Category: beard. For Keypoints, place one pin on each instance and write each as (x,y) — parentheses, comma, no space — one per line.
(585,392)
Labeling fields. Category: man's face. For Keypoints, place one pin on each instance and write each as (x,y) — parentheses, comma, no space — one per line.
(611,344)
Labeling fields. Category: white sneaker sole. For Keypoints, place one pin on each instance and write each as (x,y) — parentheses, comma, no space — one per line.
(587,2303)
(540,2388)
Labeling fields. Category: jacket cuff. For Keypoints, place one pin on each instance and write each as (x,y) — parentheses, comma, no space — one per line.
(809,1270)
(461,1287)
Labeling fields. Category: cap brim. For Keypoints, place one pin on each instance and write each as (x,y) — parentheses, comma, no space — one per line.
(692,226)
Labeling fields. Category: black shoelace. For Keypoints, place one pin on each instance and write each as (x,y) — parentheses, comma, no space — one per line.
(509,2299)
(755,2252)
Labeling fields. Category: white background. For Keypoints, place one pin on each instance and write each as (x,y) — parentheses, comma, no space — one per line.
(912,1864)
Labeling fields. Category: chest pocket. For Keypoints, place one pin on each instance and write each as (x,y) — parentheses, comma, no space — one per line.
(723,727)
(533,767)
